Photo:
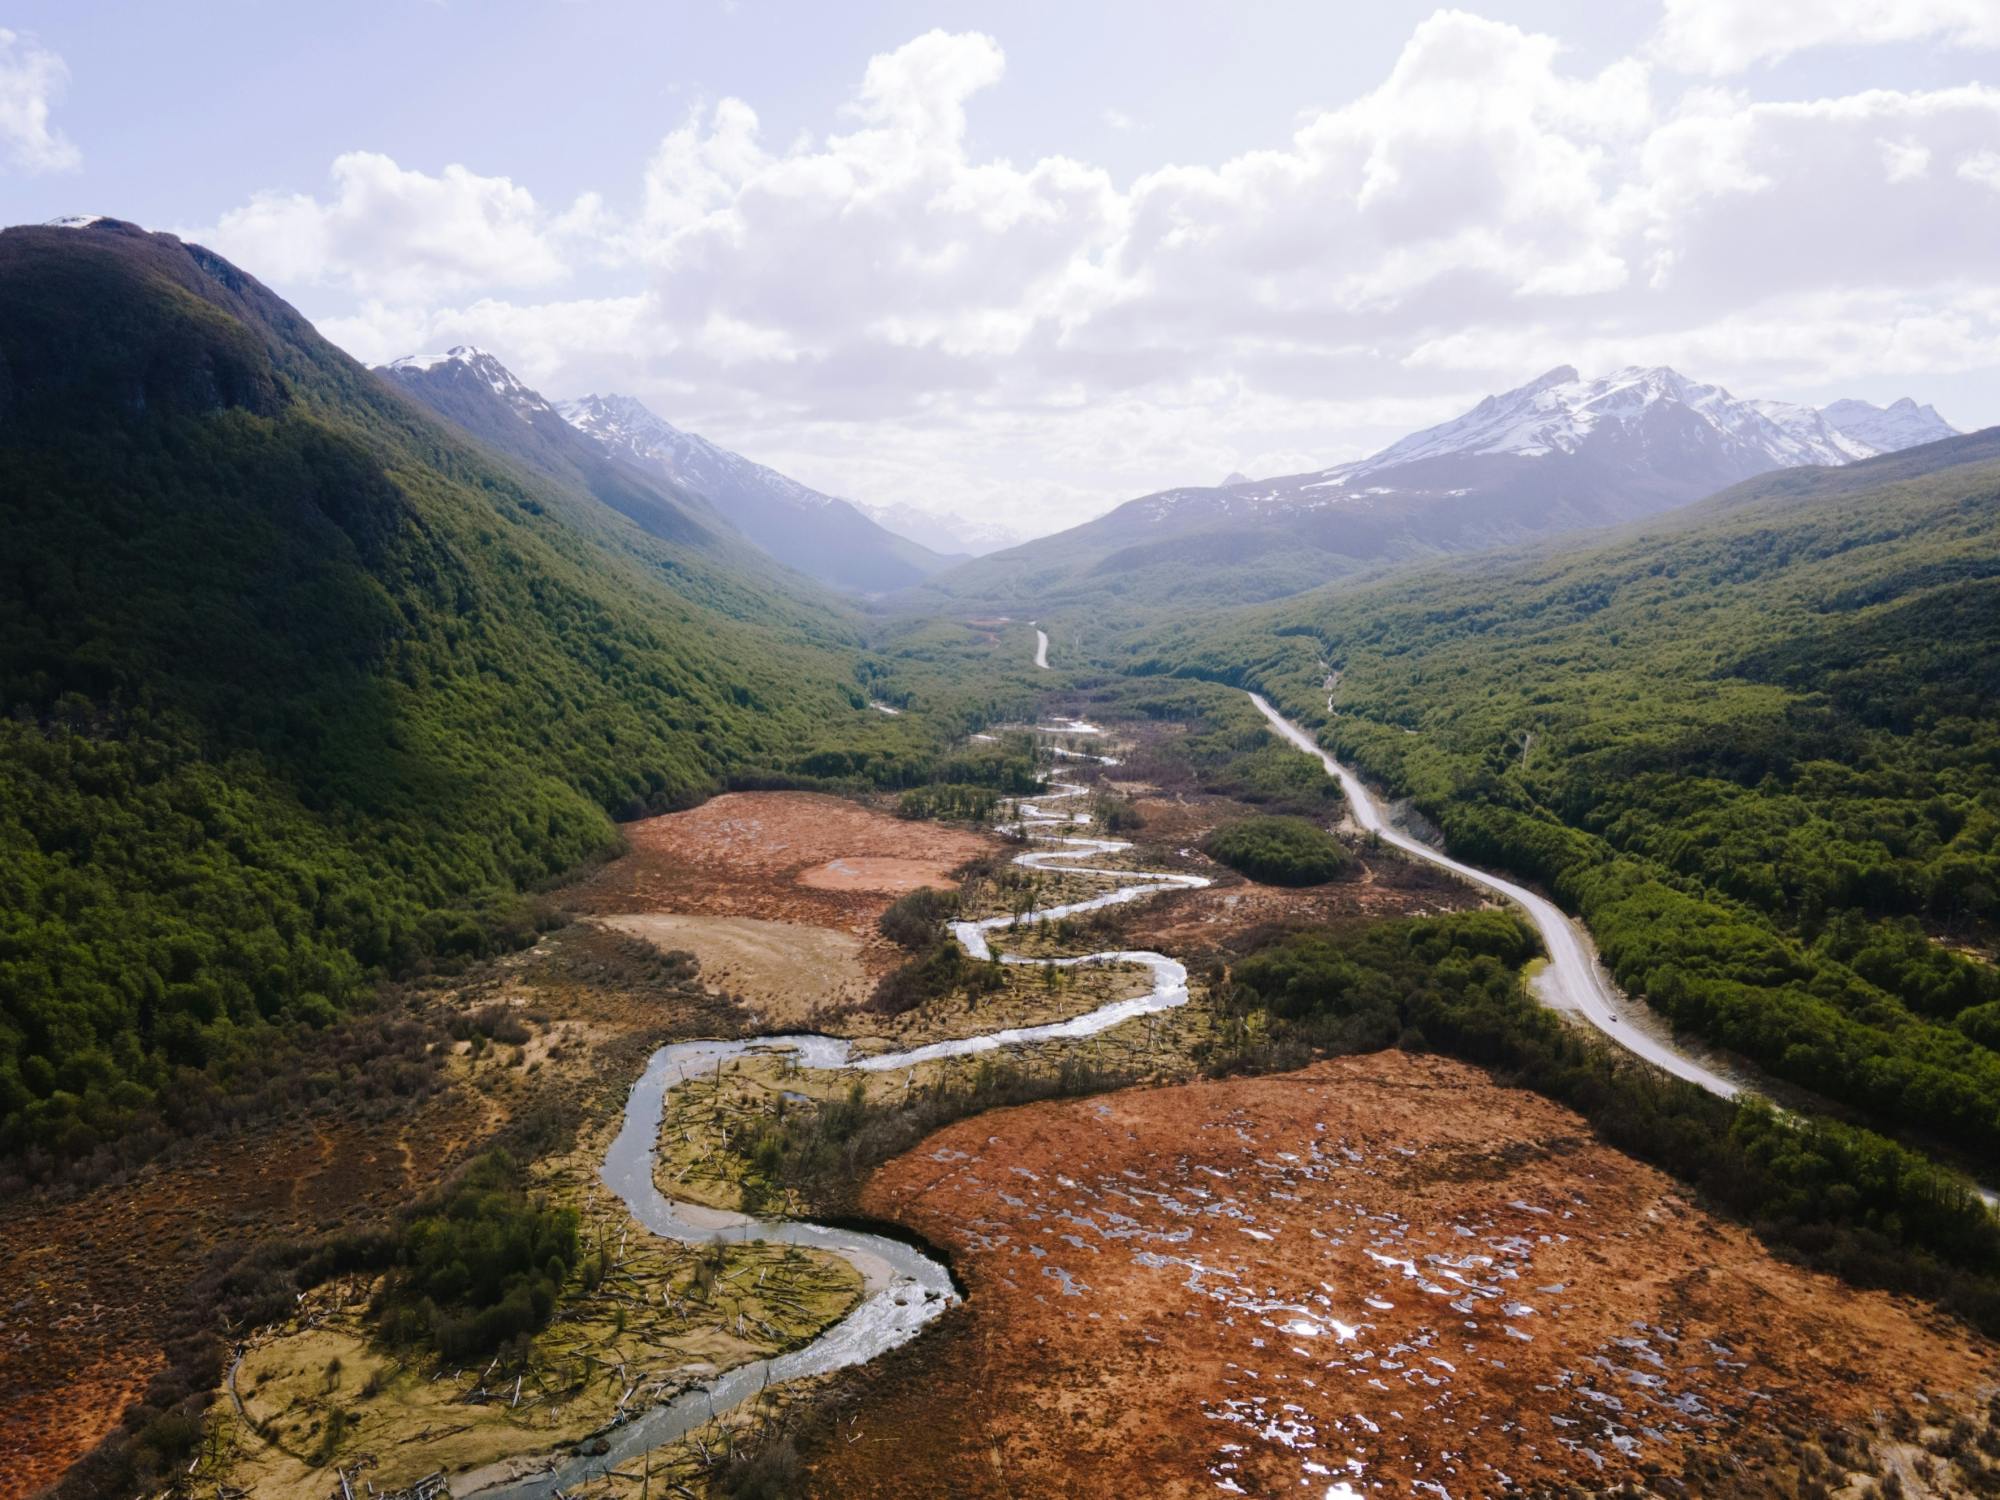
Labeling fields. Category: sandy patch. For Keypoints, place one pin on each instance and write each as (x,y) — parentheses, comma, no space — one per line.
(1381,1270)
(868,872)
(791,857)
(785,972)
(743,853)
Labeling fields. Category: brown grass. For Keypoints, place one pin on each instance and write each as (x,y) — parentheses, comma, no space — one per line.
(1178,1288)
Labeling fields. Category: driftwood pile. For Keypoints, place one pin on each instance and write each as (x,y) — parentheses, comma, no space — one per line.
(430,1487)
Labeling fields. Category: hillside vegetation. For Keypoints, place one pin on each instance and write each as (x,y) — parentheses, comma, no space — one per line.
(299,687)
(1756,749)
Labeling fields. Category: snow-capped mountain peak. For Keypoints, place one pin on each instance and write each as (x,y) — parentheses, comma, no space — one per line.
(822,535)
(1560,412)
(1888,429)
(483,366)
(617,418)
(631,429)
(1611,447)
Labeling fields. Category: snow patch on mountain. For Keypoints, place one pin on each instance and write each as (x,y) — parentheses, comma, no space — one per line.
(525,402)
(1560,412)
(1637,440)
(1888,429)
(629,428)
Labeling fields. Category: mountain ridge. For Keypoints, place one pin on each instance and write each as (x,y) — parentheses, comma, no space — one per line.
(1558,453)
(1888,429)
(705,555)
(820,535)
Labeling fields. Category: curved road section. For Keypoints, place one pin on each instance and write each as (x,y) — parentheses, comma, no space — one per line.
(1573,980)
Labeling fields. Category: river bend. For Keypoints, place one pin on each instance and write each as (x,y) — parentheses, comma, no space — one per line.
(904,1289)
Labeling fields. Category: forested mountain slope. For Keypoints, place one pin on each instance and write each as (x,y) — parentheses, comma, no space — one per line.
(705,556)
(1755,744)
(297,684)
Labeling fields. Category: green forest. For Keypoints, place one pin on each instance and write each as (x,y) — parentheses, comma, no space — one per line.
(298,689)
(480,1269)
(1753,745)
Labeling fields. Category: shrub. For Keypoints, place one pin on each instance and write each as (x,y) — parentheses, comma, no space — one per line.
(1116,814)
(482,1268)
(940,970)
(950,801)
(770,1471)
(912,921)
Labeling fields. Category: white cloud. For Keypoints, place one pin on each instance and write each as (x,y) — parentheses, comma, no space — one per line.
(1727,36)
(1982,167)
(1810,338)
(1746,200)
(1478,162)
(31,80)
(900,318)
(1905,161)
(555,345)
(388,232)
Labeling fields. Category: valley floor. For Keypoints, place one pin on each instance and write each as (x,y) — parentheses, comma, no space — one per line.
(1382,1274)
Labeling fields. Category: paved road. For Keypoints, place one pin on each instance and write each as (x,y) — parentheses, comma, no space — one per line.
(1573,980)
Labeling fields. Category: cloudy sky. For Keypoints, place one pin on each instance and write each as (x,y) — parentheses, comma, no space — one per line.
(1021,260)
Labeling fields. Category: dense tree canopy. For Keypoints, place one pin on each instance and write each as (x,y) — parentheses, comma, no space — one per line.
(1279,851)
(1754,745)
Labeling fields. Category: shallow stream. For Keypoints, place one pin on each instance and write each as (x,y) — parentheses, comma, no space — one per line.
(905,1288)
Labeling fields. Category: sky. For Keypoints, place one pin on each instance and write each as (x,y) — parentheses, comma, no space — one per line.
(1017,262)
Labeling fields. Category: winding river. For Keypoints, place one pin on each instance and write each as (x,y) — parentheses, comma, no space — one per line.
(904,1288)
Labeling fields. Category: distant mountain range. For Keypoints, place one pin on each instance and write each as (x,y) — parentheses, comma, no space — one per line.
(673,483)
(1888,429)
(957,537)
(823,537)
(1557,454)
